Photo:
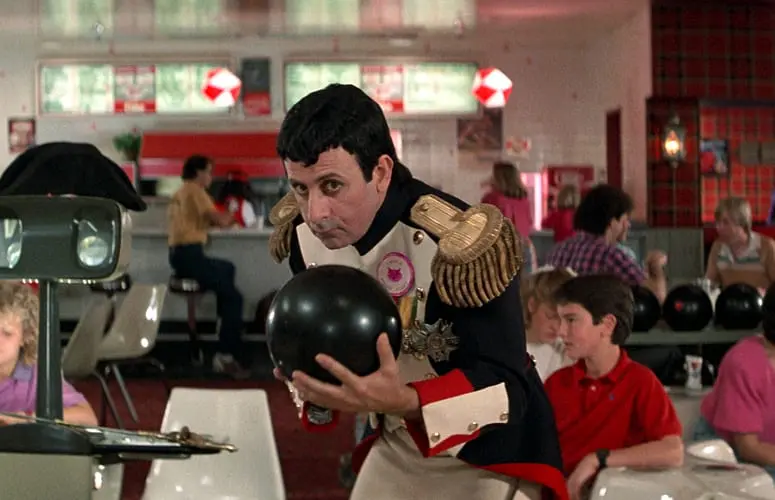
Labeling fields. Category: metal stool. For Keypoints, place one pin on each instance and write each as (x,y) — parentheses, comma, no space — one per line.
(192,291)
(113,287)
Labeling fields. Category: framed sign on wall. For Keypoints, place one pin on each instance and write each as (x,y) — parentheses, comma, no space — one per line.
(403,88)
(95,88)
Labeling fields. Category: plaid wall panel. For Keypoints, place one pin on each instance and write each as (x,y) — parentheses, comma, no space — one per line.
(673,193)
(753,182)
(713,51)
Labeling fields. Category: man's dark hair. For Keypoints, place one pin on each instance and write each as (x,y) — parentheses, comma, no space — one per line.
(768,314)
(193,165)
(602,204)
(601,295)
(338,116)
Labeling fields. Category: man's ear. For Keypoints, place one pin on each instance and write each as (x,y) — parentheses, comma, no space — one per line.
(382,173)
(609,321)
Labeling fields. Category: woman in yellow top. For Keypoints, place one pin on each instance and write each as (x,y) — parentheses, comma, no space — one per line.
(191,214)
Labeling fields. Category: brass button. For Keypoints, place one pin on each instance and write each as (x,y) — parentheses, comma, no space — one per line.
(435,437)
(504,416)
(420,293)
(429,376)
(311,265)
(472,426)
(418,237)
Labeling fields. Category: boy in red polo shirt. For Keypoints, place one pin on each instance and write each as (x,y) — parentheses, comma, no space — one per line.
(610,410)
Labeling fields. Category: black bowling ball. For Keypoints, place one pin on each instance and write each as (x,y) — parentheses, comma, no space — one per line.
(687,308)
(739,307)
(334,310)
(646,309)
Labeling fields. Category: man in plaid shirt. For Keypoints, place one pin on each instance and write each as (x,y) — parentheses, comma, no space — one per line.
(601,222)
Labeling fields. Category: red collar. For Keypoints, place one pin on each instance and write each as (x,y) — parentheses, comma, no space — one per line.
(580,370)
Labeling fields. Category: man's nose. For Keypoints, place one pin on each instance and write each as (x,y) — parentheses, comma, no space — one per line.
(562,330)
(318,208)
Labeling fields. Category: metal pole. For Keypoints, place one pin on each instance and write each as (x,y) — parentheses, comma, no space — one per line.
(49,390)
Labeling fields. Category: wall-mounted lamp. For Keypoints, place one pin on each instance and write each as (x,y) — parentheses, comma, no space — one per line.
(674,141)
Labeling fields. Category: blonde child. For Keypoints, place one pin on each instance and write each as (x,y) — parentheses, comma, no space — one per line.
(542,323)
(19,326)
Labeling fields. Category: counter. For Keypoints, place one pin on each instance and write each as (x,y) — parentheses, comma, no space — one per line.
(258,274)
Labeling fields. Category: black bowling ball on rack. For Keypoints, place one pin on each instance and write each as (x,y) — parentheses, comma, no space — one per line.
(739,307)
(334,310)
(646,309)
(687,308)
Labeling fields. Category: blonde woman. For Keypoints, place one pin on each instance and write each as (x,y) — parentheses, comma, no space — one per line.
(19,326)
(509,194)
(561,220)
(542,323)
(740,255)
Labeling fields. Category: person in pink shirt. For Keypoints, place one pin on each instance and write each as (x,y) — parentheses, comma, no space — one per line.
(509,194)
(19,324)
(741,406)
(561,220)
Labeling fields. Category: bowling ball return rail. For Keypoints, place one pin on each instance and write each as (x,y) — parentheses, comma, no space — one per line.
(710,335)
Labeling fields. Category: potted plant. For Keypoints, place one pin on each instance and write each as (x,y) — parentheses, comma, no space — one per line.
(128,144)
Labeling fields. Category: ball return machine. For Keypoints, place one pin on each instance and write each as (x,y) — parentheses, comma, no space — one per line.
(55,240)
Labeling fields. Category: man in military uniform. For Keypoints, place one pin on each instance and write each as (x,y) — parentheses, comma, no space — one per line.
(461,413)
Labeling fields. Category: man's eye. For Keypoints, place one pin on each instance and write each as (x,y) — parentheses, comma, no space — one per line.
(330,187)
(299,189)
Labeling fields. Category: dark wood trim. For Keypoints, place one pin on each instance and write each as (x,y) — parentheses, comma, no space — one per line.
(735,103)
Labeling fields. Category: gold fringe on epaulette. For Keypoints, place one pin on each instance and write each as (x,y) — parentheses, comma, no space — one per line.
(281,217)
(472,269)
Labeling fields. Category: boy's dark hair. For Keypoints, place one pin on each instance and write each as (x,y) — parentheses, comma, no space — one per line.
(338,116)
(601,295)
(193,165)
(768,314)
(602,204)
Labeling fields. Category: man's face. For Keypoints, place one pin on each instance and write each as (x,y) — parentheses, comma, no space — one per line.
(582,337)
(620,228)
(205,177)
(335,200)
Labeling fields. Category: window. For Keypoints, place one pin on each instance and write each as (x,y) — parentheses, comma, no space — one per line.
(302,78)
(322,15)
(439,14)
(74,18)
(76,89)
(190,17)
(179,88)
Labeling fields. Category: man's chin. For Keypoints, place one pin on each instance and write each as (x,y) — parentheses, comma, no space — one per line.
(333,242)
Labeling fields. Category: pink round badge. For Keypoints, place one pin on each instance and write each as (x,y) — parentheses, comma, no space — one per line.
(396,273)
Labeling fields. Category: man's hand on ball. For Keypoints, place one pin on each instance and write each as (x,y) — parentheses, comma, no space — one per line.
(380,392)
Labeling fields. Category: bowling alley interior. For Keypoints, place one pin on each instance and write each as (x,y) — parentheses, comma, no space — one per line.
(669,101)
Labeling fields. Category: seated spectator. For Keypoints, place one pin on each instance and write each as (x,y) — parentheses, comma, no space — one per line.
(741,406)
(602,221)
(561,220)
(542,323)
(609,410)
(740,255)
(19,324)
(509,194)
(237,198)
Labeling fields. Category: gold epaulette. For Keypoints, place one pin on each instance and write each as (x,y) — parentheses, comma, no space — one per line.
(281,217)
(479,252)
